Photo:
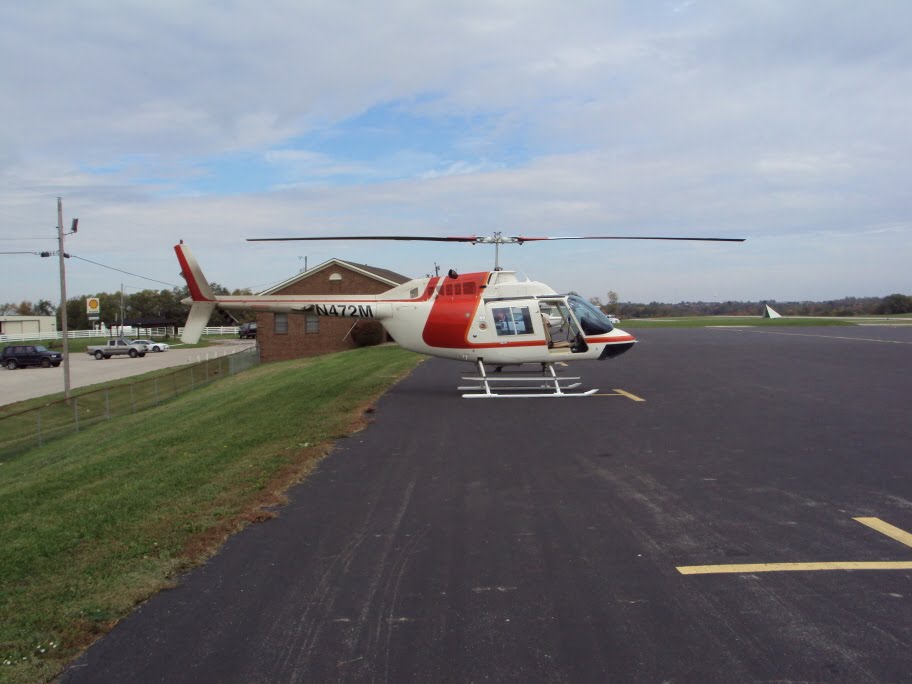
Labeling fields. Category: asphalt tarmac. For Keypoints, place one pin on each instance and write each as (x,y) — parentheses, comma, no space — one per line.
(547,540)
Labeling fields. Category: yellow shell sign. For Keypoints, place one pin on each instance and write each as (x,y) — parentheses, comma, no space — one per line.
(92,306)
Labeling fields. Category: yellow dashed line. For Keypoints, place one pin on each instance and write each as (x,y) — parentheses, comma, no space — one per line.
(621,393)
(874,523)
(887,529)
(793,567)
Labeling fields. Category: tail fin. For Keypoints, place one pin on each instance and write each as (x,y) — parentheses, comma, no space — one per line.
(193,274)
(203,300)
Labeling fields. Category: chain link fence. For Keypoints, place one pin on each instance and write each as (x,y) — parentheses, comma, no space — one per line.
(26,430)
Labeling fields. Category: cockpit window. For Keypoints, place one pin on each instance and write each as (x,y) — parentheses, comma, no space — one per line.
(593,321)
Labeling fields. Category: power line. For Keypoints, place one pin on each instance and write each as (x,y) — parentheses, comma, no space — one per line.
(29,238)
(119,270)
(135,275)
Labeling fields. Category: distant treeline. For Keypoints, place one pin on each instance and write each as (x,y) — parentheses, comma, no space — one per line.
(165,305)
(158,305)
(848,306)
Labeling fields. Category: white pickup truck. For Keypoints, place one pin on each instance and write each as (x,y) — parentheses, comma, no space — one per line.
(118,347)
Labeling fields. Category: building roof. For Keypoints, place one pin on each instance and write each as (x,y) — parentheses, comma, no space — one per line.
(382,275)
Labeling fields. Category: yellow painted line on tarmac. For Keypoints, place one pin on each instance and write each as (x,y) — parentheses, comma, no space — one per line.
(792,567)
(621,393)
(874,523)
(629,395)
(886,528)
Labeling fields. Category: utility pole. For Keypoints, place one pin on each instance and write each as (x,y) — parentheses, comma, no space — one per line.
(63,303)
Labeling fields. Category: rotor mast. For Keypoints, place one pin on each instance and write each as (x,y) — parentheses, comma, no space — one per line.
(497,240)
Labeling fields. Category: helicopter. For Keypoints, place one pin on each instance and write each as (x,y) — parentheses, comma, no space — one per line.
(487,318)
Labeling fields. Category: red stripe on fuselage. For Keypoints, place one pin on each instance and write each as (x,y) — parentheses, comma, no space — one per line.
(610,340)
(452,312)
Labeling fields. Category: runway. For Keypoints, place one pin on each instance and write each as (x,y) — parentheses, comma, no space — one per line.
(554,540)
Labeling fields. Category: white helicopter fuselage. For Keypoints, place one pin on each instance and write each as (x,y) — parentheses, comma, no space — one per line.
(489,316)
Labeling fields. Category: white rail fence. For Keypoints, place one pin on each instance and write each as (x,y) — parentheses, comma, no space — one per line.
(114,332)
(25,430)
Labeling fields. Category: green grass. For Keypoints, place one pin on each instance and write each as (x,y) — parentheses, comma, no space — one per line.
(96,522)
(37,402)
(707,321)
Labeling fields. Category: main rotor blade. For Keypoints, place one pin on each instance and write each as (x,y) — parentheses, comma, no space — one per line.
(496,239)
(426,238)
(522,239)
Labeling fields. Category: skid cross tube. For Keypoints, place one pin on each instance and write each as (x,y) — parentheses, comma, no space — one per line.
(488,386)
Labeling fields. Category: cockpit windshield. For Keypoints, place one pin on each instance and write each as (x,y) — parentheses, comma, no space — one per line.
(593,321)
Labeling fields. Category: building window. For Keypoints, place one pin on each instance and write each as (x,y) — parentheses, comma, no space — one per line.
(281,324)
(311,323)
(335,277)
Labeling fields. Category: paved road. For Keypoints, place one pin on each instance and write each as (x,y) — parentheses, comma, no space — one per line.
(26,383)
(540,540)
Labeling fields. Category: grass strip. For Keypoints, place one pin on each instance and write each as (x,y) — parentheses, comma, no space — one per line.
(709,321)
(95,523)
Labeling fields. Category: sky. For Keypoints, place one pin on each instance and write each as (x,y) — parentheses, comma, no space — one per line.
(786,123)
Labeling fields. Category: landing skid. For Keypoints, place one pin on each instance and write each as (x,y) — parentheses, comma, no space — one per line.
(526,387)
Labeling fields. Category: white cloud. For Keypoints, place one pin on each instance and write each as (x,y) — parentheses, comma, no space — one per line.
(778,121)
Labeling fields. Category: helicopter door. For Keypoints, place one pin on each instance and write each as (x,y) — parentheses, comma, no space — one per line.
(562,331)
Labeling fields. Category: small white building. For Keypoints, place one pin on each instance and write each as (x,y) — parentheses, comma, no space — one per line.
(27,325)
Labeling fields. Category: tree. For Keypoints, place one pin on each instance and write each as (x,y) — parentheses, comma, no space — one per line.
(612,299)
(895,304)
(44,308)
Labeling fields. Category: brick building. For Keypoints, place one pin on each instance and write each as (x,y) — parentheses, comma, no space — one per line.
(289,336)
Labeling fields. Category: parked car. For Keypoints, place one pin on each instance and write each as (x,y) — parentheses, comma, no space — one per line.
(118,347)
(247,331)
(154,346)
(614,320)
(22,355)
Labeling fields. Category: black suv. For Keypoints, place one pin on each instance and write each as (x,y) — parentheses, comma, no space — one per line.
(247,330)
(23,355)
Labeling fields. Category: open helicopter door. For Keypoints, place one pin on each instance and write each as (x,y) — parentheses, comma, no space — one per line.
(562,330)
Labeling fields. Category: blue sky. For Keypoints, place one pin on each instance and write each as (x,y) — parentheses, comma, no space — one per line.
(782,122)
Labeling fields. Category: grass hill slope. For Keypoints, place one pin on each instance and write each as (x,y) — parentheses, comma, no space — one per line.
(94,523)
